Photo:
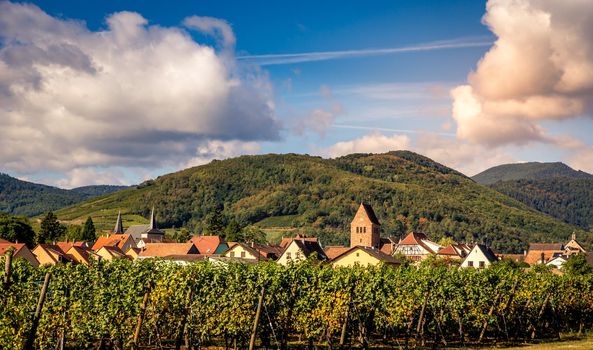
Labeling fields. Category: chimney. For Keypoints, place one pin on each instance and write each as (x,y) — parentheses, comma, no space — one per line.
(525,253)
(542,258)
(574,236)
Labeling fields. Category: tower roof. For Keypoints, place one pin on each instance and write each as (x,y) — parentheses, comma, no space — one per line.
(369,212)
(119,227)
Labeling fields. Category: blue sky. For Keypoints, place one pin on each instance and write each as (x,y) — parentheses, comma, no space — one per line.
(338,77)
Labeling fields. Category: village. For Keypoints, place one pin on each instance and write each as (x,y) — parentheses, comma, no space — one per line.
(367,247)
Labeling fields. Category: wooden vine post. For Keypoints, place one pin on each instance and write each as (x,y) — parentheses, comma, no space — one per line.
(419,328)
(256,321)
(7,269)
(143,307)
(184,319)
(30,341)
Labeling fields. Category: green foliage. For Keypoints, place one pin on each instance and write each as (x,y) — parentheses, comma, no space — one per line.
(320,196)
(232,232)
(51,229)
(88,231)
(567,199)
(384,304)
(528,171)
(577,265)
(29,199)
(16,229)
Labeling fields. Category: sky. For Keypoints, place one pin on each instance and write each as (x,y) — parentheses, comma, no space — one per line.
(117,92)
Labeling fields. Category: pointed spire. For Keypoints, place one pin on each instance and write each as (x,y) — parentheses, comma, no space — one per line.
(152,220)
(119,227)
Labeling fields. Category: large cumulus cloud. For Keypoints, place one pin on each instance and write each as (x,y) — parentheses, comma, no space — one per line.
(132,94)
(540,68)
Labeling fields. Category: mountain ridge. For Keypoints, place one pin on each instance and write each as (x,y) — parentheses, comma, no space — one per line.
(19,197)
(528,171)
(319,196)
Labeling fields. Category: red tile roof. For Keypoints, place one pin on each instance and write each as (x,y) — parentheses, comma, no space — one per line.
(287,240)
(417,238)
(113,240)
(206,245)
(334,251)
(4,246)
(166,249)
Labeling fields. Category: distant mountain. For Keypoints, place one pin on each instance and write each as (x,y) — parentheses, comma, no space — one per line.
(552,188)
(320,196)
(20,197)
(528,171)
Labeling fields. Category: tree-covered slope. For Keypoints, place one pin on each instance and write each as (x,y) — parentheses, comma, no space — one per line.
(567,199)
(407,191)
(30,199)
(528,171)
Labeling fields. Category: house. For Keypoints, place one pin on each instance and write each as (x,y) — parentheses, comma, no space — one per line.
(209,245)
(253,251)
(541,253)
(479,257)
(150,231)
(557,261)
(287,240)
(50,254)
(454,251)
(110,253)
(185,259)
(122,241)
(573,246)
(333,251)
(513,257)
(133,253)
(416,246)
(301,249)
(363,256)
(20,251)
(365,228)
(81,255)
(161,250)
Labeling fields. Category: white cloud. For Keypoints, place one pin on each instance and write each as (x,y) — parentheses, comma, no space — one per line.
(87,176)
(374,142)
(291,58)
(221,150)
(318,120)
(539,68)
(133,94)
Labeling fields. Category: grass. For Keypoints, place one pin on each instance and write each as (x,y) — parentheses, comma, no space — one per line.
(572,344)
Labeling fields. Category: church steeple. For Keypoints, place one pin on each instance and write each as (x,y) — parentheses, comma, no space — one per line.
(119,227)
(365,228)
(152,220)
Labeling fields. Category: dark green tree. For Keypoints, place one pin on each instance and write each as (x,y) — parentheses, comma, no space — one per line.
(88,232)
(577,265)
(51,229)
(16,229)
(74,233)
(232,232)
(215,222)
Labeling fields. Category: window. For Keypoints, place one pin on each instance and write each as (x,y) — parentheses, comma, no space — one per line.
(288,255)
(242,254)
(470,263)
(361,240)
(364,229)
(232,254)
(482,264)
(357,254)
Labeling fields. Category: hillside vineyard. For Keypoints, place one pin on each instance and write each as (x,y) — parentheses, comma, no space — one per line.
(204,304)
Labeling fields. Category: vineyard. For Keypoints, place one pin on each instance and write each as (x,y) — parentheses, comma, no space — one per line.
(151,304)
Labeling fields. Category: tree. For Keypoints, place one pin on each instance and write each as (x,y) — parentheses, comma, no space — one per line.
(232,232)
(215,222)
(88,232)
(253,234)
(74,233)
(577,265)
(51,229)
(16,229)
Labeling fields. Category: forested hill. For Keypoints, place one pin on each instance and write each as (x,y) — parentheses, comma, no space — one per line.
(552,188)
(407,191)
(20,197)
(567,199)
(529,171)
